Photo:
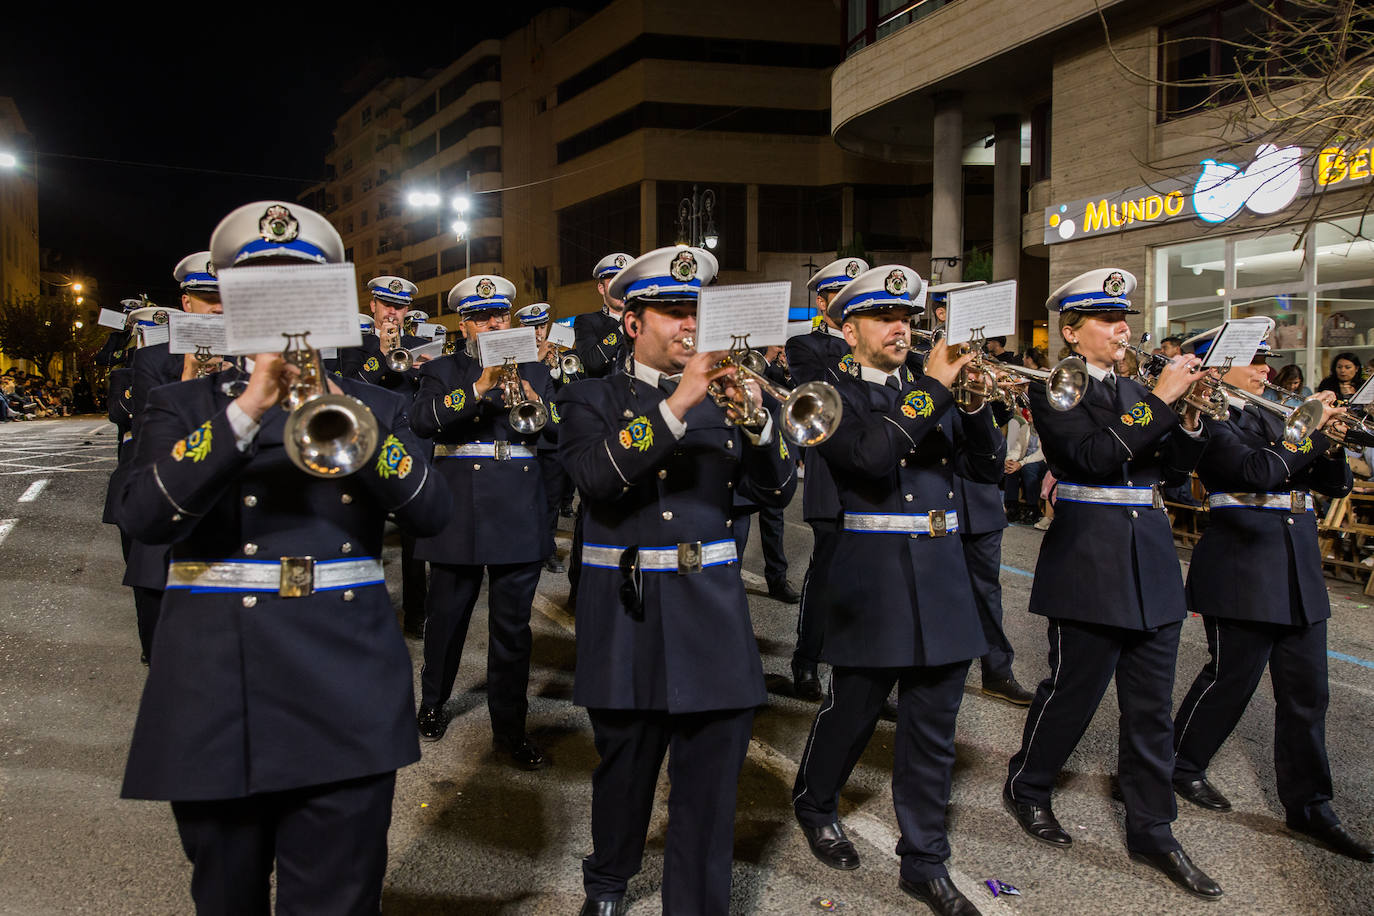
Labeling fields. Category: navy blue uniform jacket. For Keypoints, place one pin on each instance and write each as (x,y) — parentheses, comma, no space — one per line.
(292,691)
(692,647)
(1105,564)
(1263,564)
(908,600)
(153,367)
(598,342)
(119,406)
(500,504)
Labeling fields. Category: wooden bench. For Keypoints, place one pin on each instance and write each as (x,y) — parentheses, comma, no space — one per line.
(1342,527)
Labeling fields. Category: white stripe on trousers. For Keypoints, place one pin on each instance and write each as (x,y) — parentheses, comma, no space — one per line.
(1054,685)
(1178,742)
(811,739)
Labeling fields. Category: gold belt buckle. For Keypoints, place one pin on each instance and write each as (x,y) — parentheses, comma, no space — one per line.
(939,524)
(688,557)
(1156,498)
(1297,501)
(501,450)
(297,577)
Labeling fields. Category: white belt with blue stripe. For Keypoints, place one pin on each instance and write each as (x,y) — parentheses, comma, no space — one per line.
(499,451)
(935,523)
(1292,501)
(686,557)
(1147,497)
(292,577)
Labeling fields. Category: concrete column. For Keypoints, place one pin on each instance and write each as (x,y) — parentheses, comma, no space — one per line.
(751,228)
(947,204)
(648,216)
(1006,198)
(847,215)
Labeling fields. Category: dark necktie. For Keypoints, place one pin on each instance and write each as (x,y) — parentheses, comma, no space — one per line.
(894,383)
(668,383)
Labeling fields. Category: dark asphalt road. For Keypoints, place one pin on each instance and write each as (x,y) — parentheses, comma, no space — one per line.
(470,836)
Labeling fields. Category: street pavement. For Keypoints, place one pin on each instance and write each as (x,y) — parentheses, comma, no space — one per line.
(471,836)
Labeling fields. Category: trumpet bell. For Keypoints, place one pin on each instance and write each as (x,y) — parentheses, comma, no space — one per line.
(1067,382)
(812,413)
(528,417)
(331,435)
(1303,421)
(399,360)
(570,364)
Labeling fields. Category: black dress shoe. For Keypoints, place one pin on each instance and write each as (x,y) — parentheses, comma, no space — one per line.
(1008,689)
(782,591)
(831,846)
(603,908)
(940,895)
(1201,793)
(432,722)
(1039,823)
(1181,870)
(889,711)
(806,683)
(522,752)
(555,565)
(566,511)
(414,627)
(1338,839)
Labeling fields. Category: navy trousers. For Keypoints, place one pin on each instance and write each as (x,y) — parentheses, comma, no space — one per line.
(927,705)
(453,592)
(328,844)
(705,752)
(770,539)
(1296,658)
(815,594)
(147,606)
(1083,659)
(983,557)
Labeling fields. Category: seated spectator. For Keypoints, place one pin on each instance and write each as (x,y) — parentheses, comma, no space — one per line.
(1290,378)
(1025,466)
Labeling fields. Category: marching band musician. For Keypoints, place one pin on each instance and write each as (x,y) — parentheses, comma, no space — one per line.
(390,306)
(600,334)
(666,656)
(982,519)
(492,471)
(278,705)
(119,406)
(537,316)
(907,615)
(1256,579)
(1110,540)
(818,357)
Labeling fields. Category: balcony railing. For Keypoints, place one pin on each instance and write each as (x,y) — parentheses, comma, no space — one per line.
(865,21)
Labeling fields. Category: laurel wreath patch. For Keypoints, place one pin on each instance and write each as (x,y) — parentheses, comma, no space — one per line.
(1139,415)
(917,404)
(393,460)
(196,445)
(639,434)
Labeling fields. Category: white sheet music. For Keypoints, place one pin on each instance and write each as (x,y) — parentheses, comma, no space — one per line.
(152,336)
(797,328)
(111,319)
(430,331)
(263,303)
(756,310)
(562,335)
(494,347)
(1366,393)
(188,331)
(991,308)
(1238,339)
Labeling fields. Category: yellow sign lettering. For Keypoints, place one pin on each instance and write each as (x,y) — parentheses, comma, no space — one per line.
(1095,216)
(1173,203)
(1331,167)
(1359,164)
(1154,207)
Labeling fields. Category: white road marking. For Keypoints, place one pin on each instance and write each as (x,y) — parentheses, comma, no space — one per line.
(753,579)
(6,526)
(554,612)
(34,489)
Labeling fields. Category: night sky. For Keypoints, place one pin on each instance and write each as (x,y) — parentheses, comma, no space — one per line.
(244,108)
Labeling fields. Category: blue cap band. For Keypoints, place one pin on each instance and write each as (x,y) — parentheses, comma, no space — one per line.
(875,299)
(384,293)
(478,303)
(661,286)
(293,249)
(1078,301)
(607,272)
(200,279)
(836,282)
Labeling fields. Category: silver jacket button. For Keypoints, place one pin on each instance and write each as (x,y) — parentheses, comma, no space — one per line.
(345,547)
(250,501)
(729,443)
(1289,520)
(346,498)
(907,497)
(250,600)
(250,549)
(668,516)
(1135,514)
(662,474)
(348,594)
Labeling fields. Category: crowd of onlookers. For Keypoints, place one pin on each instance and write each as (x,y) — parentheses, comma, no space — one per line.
(32,397)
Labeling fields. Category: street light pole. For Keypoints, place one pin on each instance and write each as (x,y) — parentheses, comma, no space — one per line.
(696,221)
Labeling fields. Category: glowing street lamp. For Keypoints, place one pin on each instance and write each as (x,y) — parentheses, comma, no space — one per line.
(76,288)
(8,161)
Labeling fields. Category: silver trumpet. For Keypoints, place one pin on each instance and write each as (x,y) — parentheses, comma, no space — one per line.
(206,362)
(1298,422)
(568,361)
(1205,395)
(526,416)
(401,360)
(811,412)
(1005,383)
(326,435)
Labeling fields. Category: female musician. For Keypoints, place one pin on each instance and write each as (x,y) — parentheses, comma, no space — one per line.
(1256,579)
(1108,578)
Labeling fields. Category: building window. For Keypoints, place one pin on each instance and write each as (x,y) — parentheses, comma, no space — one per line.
(419,151)
(680,116)
(1318,289)
(348,165)
(795,218)
(348,254)
(348,224)
(589,231)
(362,218)
(367,184)
(1040,142)
(421,269)
(1201,47)
(893,217)
(421,111)
(424,228)
(348,193)
(367,114)
(451,259)
(486,249)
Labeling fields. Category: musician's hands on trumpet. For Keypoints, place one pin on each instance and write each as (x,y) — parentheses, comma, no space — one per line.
(697,375)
